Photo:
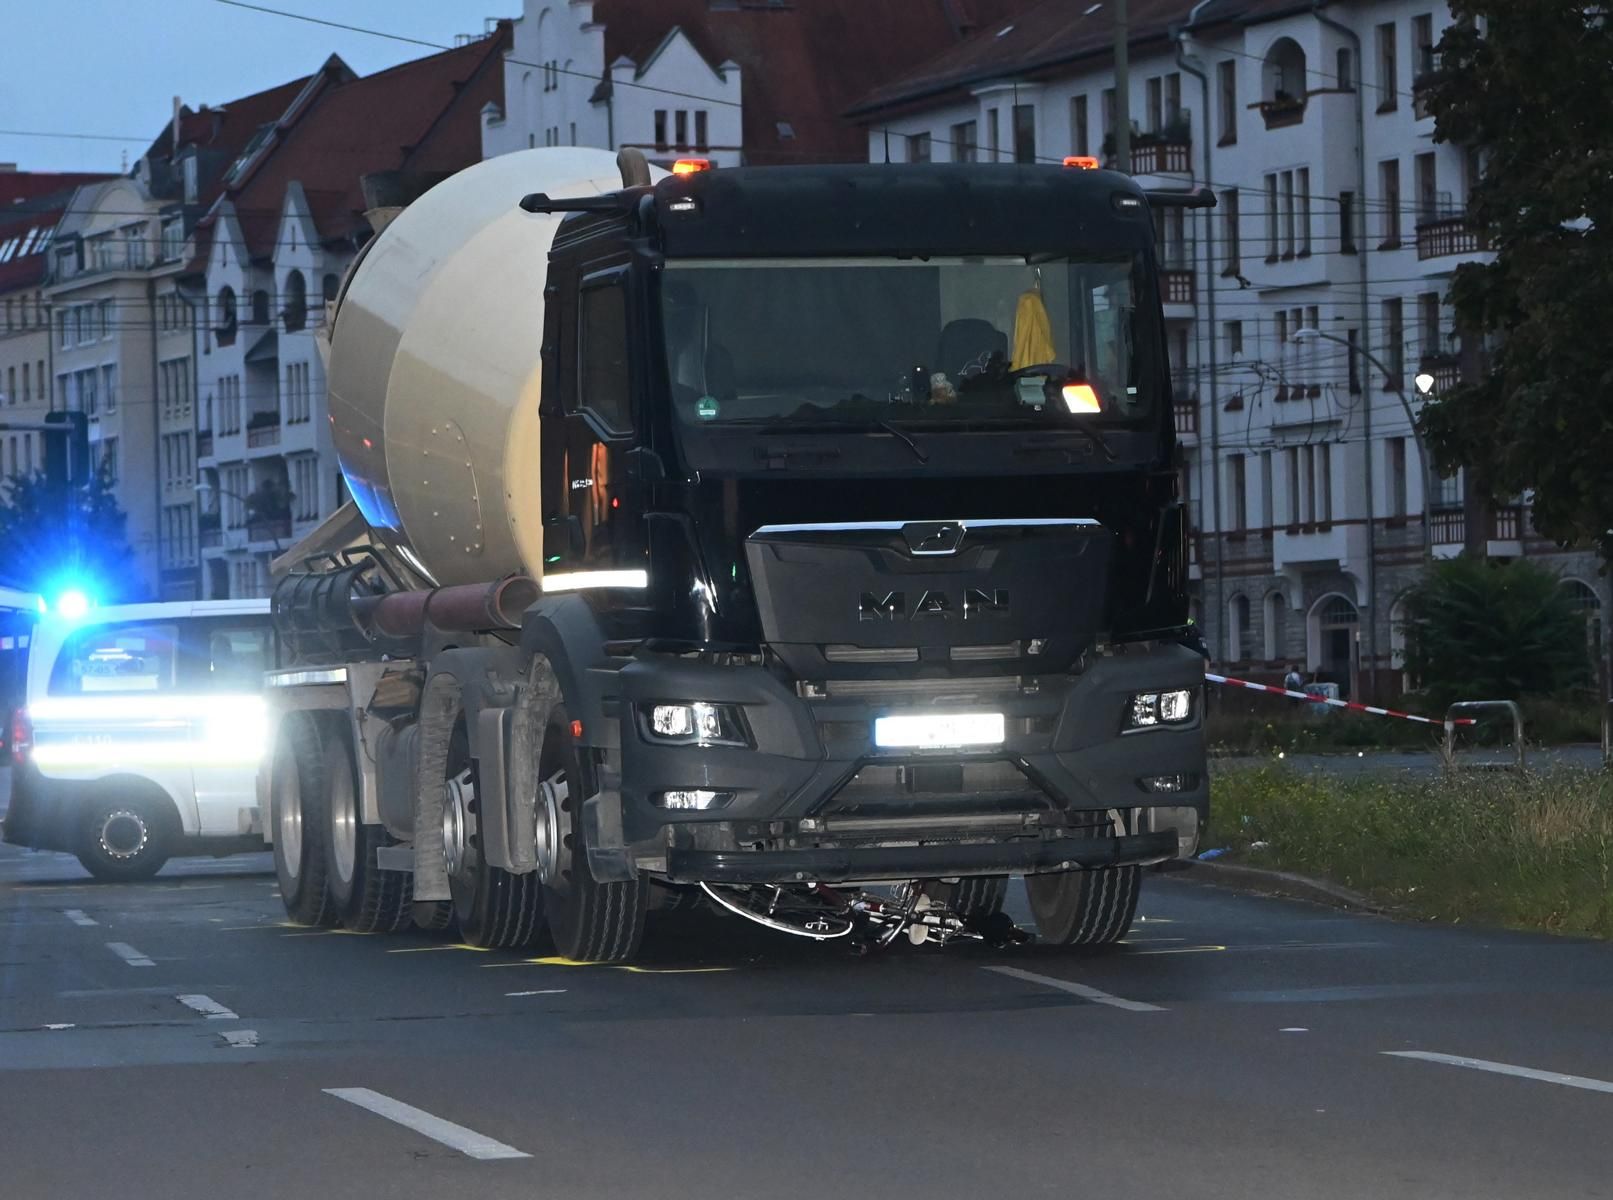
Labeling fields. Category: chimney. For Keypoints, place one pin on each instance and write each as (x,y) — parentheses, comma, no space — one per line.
(173,149)
(8,168)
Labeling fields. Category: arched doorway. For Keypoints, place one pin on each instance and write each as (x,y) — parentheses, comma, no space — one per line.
(1584,598)
(1335,641)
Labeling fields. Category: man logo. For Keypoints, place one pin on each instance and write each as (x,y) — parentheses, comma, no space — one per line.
(971,604)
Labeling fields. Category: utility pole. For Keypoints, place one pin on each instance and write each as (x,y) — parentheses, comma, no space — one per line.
(1122,129)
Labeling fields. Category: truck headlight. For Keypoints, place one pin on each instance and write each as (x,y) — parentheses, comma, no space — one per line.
(1148,709)
(695,723)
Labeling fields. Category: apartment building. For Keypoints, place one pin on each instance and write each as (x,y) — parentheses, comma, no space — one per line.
(1300,312)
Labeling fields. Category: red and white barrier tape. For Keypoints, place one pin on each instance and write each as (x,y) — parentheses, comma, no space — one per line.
(1349,704)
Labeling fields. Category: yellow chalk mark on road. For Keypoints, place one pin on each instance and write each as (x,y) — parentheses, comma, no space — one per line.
(674,970)
(1180,950)
(423,949)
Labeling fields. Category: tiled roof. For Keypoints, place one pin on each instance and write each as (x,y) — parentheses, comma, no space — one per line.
(1051,36)
(31,203)
(17,187)
(423,115)
(802,62)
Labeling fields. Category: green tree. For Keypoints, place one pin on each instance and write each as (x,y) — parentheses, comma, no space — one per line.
(1478,630)
(53,537)
(1530,87)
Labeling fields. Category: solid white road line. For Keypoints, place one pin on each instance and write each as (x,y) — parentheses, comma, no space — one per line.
(540,992)
(240,1039)
(77,917)
(207,1006)
(1077,989)
(129,954)
(1479,1064)
(466,1141)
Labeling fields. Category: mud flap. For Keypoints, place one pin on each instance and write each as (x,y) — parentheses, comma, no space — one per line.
(535,698)
(439,710)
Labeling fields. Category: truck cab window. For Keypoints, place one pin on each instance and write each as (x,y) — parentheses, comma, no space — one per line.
(603,383)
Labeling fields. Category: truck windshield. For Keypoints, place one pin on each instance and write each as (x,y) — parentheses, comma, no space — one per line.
(930,342)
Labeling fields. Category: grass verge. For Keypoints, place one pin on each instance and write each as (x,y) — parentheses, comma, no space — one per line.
(1524,850)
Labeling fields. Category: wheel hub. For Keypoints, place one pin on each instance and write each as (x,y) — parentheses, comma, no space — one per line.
(553,824)
(123,835)
(456,821)
(288,818)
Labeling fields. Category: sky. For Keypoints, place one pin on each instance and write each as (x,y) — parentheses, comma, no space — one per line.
(113,67)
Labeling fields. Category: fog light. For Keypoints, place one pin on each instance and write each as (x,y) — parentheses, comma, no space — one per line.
(1169,783)
(692,799)
(1176,706)
(1144,710)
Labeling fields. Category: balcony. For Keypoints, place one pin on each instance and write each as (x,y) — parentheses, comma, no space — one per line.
(1162,154)
(263,430)
(204,444)
(1505,532)
(1444,368)
(269,529)
(1281,111)
(1444,233)
(1343,547)
(1448,526)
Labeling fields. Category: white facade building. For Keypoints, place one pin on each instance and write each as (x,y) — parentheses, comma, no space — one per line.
(1336,212)
(566,85)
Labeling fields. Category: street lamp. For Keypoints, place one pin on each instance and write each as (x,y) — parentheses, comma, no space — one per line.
(213,487)
(1425,386)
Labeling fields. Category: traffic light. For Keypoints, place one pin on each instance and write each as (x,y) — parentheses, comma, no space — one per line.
(67,448)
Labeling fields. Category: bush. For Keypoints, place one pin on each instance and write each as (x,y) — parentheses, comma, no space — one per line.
(1511,848)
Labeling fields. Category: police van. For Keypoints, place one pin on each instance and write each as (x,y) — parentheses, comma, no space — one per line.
(140,734)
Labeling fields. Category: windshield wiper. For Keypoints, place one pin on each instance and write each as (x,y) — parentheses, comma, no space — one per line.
(905,440)
(831,425)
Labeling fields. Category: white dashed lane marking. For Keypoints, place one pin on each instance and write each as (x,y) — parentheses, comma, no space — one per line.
(1480,1064)
(207,1006)
(240,1039)
(1077,989)
(129,954)
(457,1137)
(78,917)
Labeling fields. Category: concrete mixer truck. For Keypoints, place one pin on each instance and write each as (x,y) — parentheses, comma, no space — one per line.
(759,535)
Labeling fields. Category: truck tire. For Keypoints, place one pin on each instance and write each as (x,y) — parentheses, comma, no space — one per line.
(126,839)
(974,897)
(590,921)
(495,909)
(1084,908)
(297,816)
(366,899)
(433,915)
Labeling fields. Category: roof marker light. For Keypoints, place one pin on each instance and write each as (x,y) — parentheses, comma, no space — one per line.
(1081,398)
(1083,162)
(689,166)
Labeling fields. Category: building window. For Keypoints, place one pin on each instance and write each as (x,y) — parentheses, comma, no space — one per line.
(1395,449)
(1024,133)
(1344,69)
(1354,366)
(918,148)
(1230,231)
(109,459)
(1156,104)
(224,331)
(963,142)
(1268,514)
(1427,187)
(1394,351)
(27,388)
(1346,222)
(1389,177)
(699,130)
(1302,182)
(1080,139)
(296,310)
(62,340)
(1428,319)
(1387,85)
(1237,495)
(993,135)
(1271,218)
(1238,627)
(680,127)
(1324,482)
(1226,75)
(1234,331)
(109,387)
(660,129)
(1288,214)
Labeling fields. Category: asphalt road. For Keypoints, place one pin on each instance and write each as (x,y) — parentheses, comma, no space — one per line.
(174,1039)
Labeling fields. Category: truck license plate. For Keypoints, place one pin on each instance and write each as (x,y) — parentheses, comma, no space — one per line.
(939,731)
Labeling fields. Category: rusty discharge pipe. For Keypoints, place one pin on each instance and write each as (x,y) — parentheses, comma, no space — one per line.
(464,608)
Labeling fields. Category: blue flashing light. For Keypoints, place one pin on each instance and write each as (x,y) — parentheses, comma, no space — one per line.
(72,605)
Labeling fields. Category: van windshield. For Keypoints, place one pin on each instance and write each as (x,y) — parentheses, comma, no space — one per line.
(923,342)
(118,658)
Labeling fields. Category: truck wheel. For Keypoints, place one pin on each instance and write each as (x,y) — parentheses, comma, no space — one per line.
(366,898)
(589,920)
(125,840)
(1084,908)
(297,816)
(495,909)
(433,915)
(978,896)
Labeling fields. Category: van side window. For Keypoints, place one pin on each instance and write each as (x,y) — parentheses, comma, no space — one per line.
(602,356)
(234,658)
(117,658)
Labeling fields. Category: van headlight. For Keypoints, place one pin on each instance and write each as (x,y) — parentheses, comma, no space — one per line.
(1149,709)
(694,723)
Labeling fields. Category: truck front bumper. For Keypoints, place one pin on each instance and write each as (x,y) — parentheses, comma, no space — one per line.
(813,797)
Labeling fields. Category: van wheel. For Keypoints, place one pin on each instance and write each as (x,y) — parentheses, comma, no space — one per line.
(125,840)
(1084,908)
(297,817)
(589,920)
(366,898)
(494,908)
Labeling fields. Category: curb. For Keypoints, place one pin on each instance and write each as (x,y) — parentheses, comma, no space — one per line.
(1281,883)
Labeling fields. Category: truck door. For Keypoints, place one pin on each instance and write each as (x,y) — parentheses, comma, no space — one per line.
(225,659)
(591,509)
